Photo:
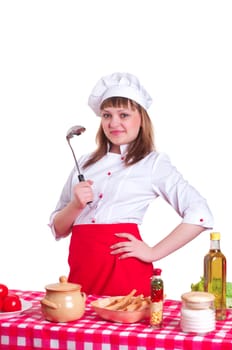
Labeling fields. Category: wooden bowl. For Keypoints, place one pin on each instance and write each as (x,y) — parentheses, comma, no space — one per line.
(121,316)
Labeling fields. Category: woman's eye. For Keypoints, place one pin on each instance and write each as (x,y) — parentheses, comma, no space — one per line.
(105,115)
(124,115)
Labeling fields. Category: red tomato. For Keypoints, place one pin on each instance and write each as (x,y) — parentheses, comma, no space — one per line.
(3,290)
(1,302)
(11,303)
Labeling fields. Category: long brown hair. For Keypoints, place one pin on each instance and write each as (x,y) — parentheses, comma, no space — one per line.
(139,148)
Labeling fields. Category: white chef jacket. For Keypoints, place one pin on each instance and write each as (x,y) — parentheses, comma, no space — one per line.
(122,193)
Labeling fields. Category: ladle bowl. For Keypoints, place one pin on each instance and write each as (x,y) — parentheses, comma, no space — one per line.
(75,130)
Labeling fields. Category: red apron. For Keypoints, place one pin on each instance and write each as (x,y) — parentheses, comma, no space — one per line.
(99,272)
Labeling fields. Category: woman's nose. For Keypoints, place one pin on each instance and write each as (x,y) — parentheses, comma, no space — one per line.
(114,121)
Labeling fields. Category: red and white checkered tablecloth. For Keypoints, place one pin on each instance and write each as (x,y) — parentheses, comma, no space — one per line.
(29,330)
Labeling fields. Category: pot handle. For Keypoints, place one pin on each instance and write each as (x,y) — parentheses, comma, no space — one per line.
(48,303)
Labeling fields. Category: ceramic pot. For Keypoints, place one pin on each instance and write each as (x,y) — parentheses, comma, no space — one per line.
(63,302)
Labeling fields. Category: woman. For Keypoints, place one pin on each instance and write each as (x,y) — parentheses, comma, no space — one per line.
(123,176)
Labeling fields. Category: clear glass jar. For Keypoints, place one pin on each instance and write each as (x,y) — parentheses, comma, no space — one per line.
(197,312)
(157,296)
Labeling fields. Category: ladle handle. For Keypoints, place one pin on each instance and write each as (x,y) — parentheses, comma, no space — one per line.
(82,178)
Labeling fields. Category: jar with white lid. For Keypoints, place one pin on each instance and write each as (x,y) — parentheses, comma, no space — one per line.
(197,312)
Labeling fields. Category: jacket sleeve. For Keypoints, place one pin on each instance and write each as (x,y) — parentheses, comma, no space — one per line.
(183,197)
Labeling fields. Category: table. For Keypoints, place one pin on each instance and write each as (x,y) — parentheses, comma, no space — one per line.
(29,330)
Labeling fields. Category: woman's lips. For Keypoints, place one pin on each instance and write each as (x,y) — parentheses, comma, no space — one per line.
(116,132)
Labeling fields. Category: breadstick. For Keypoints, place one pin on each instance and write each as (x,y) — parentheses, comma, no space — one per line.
(133,306)
(133,303)
(126,300)
(138,299)
(113,302)
(143,304)
(122,302)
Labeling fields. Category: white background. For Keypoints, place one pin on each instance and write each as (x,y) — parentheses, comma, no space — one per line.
(52,54)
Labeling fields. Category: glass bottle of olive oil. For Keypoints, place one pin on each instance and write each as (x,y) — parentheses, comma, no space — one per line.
(215,275)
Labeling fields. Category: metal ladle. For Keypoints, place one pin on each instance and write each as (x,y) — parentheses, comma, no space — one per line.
(75,130)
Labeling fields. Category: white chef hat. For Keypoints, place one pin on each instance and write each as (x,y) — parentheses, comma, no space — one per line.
(120,85)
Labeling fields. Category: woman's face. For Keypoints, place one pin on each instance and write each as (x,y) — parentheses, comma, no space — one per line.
(121,125)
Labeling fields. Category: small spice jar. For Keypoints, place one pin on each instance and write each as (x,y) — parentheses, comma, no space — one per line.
(197,312)
(157,296)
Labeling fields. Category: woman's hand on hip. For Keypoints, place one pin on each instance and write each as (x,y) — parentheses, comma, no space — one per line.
(133,247)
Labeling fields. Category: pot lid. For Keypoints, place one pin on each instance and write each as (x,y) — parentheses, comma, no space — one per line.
(198,297)
(63,286)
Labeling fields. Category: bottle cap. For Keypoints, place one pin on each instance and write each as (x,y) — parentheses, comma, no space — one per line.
(215,236)
(157,272)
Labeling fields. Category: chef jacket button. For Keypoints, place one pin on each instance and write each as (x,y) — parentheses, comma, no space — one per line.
(93,221)
(109,173)
(122,158)
(201,220)
(100,195)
